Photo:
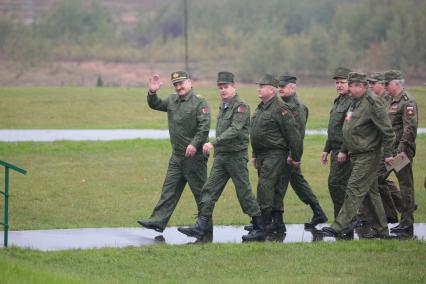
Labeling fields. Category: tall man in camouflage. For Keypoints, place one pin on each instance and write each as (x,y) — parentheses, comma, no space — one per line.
(273,135)
(189,125)
(389,191)
(340,167)
(404,117)
(293,175)
(230,161)
(366,131)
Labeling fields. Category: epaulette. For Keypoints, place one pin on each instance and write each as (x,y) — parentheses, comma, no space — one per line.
(405,97)
(370,100)
(199,96)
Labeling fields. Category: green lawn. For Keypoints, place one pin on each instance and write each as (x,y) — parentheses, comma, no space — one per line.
(115,108)
(321,262)
(112,184)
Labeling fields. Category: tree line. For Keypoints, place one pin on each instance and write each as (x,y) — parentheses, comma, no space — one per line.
(307,37)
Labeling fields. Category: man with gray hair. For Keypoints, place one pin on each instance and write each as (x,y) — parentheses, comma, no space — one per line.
(293,175)
(404,117)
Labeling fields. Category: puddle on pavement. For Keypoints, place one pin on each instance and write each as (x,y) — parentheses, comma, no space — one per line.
(64,239)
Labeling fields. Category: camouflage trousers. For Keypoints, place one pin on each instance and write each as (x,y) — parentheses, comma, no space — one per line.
(229,166)
(181,170)
(337,180)
(362,185)
(300,185)
(270,168)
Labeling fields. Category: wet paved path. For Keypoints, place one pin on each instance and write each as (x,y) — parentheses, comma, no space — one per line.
(64,239)
(46,135)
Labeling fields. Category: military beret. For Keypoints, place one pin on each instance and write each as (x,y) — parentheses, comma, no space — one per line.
(392,75)
(179,76)
(286,79)
(355,77)
(225,77)
(341,72)
(268,79)
(376,77)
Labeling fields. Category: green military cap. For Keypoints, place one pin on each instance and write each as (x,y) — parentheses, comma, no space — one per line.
(286,79)
(356,77)
(268,79)
(225,77)
(392,75)
(376,77)
(341,73)
(179,76)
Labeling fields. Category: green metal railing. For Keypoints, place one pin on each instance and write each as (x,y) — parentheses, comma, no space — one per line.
(7,166)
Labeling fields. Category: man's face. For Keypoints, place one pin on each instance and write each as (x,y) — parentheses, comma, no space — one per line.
(266,92)
(182,88)
(357,90)
(226,91)
(377,88)
(341,86)
(286,91)
(393,87)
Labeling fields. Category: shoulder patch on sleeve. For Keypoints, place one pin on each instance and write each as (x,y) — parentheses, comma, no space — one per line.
(410,110)
(241,108)
(205,109)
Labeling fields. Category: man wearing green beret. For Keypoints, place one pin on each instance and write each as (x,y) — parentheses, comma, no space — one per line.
(189,125)
(404,117)
(293,175)
(389,191)
(273,135)
(230,161)
(366,131)
(340,167)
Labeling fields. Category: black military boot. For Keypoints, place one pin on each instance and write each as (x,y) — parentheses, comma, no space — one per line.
(199,230)
(258,233)
(151,225)
(318,218)
(277,224)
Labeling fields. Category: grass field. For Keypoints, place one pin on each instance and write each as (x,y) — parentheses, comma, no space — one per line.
(115,108)
(114,183)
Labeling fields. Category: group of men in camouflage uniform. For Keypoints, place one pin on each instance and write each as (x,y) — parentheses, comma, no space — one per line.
(361,135)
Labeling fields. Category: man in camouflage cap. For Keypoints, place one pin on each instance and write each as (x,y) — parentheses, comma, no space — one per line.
(293,175)
(189,125)
(340,167)
(404,117)
(230,160)
(273,135)
(389,191)
(366,130)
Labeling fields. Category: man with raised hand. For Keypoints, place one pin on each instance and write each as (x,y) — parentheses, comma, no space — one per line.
(189,125)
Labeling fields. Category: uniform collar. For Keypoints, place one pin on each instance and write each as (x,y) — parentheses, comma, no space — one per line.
(185,97)
(268,103)
(398,97)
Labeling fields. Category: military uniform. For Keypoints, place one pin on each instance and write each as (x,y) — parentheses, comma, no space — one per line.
(403,114)
(389,191)
(230,161)
(189,123)
(366,130)
(273,134)
(339,172)
(293,175)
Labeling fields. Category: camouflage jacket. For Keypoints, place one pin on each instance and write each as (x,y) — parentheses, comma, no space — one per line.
(188,119)
(404,117)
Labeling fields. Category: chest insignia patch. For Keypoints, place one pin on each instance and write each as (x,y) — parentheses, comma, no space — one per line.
(348,116)
(241,109)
